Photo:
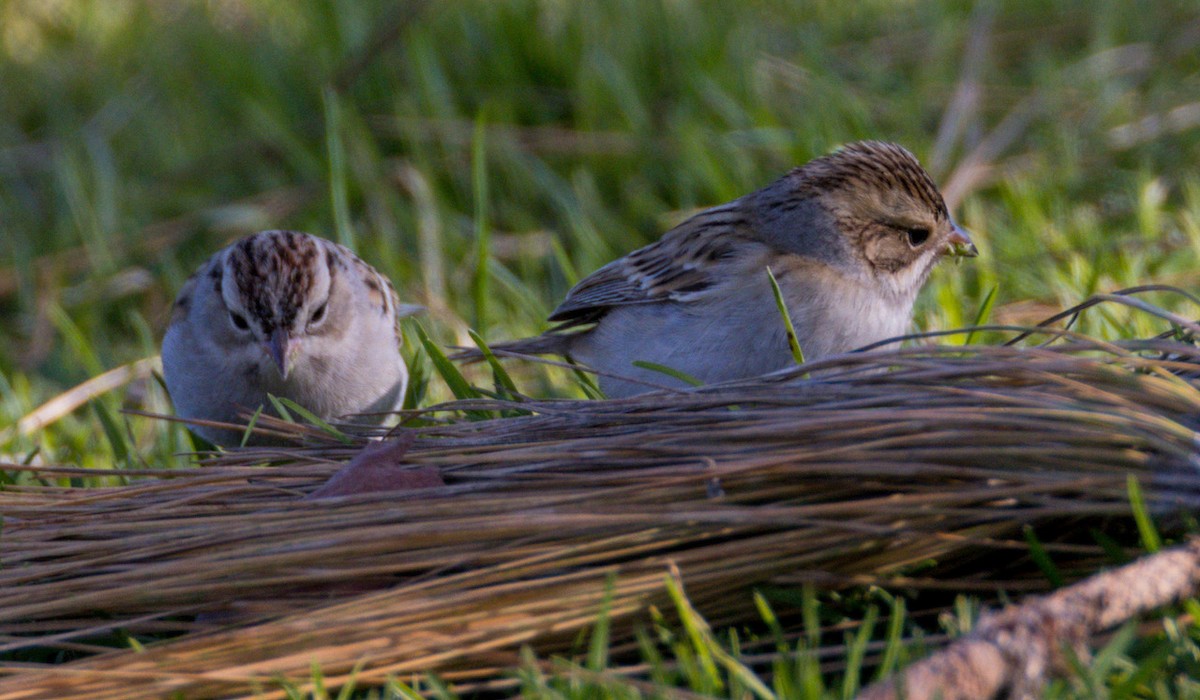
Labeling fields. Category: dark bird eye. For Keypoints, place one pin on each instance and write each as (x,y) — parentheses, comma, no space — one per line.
(239,321)
(917,236)
(319,314)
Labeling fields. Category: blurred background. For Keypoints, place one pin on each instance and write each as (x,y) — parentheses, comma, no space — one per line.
(485,155)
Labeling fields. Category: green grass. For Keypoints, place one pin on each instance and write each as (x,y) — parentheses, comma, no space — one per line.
(486,155)
(766,664)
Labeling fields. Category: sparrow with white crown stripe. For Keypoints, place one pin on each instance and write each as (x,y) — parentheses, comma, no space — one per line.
(287,314)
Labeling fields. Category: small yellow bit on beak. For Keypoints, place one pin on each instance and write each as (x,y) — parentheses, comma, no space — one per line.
(959,244)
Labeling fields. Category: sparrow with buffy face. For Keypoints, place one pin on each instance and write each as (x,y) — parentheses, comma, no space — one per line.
(850,237)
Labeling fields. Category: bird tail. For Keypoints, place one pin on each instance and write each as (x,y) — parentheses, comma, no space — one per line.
(545,344)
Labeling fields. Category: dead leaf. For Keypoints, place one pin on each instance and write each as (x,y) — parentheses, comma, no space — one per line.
(379,468)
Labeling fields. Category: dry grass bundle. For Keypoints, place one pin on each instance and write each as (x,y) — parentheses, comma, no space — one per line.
(846,474)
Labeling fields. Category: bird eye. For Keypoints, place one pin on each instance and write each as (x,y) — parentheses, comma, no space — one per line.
(318,314)
(917,236)
(238,321)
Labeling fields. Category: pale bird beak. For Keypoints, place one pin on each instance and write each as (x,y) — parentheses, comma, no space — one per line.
(279,348)
(959,244)
(406,310)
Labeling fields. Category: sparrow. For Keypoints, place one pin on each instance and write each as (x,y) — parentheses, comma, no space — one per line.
(850,238)
(287,314)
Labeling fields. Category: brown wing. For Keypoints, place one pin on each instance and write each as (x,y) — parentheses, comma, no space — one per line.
(680,266)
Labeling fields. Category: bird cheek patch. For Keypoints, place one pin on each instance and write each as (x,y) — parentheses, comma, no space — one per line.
(887,251)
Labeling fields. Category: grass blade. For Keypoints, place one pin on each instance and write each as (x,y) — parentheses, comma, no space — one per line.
(597,659)
(281,409)
(588,383)
(709,652)
(985,311)
(856,652)
(793,341)
(314,419)
(480,281)
(1141,515)
(112,431)
(454,379)
(1042,558)
(250,426)
(459,386)
(894,639)
(669,371)
(505,386)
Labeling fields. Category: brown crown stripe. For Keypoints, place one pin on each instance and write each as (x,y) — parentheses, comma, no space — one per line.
(274,271)
(873,163)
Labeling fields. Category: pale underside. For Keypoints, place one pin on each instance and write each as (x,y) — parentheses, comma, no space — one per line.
(732,328)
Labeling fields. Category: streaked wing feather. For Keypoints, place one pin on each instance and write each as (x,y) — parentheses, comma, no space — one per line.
(611,285)
(680,266)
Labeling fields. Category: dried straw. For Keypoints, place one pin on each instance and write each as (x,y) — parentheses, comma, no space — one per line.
(838,473)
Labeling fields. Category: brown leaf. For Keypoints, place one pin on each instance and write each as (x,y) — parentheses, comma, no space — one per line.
(378,468)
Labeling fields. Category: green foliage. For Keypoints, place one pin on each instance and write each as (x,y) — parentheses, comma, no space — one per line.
(506,388)
(667,371)
(454,379)
(786,318)
(1151,540)
(486,155)
(291,410)
(1037,552)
